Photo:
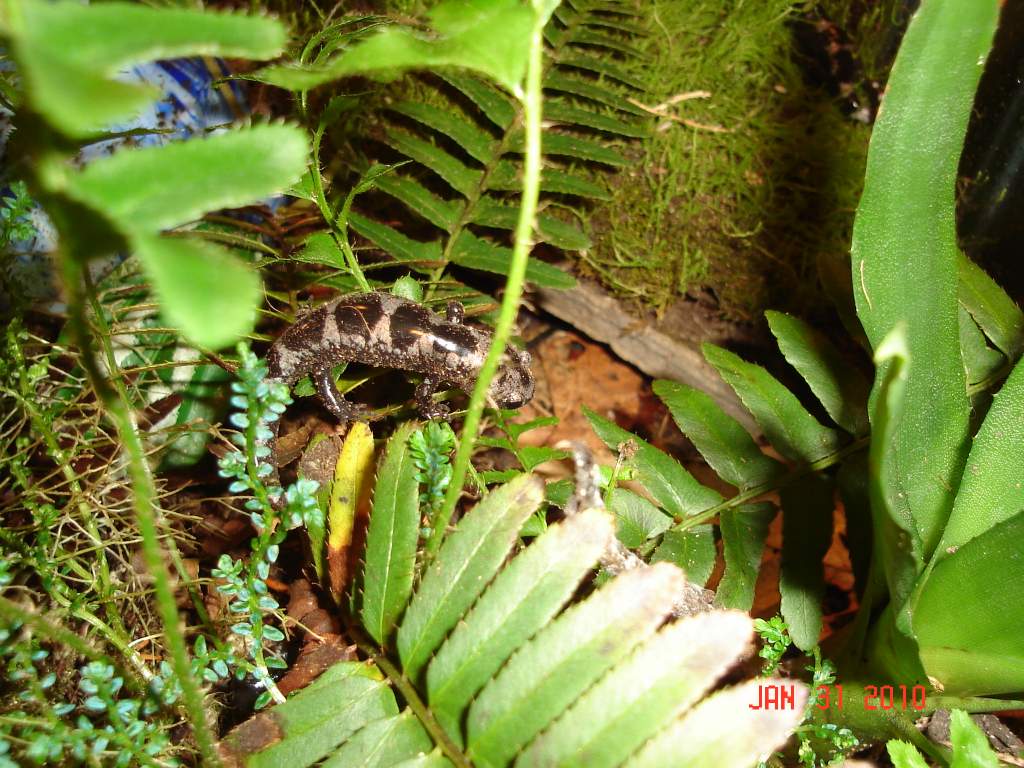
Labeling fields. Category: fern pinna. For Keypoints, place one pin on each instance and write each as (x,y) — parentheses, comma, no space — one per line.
(492,667)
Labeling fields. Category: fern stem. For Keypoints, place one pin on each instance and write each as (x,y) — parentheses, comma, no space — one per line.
(532,99)
(114,398)
(860,444)
(339,230)
(412,698)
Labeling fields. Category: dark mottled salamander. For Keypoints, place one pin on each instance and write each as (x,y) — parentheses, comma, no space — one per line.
(387,331)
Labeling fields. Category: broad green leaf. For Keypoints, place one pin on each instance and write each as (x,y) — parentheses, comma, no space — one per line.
(721,440)
(69,53)
(190,279)
(311,725)
(391,539)
(904,255)
(524,597)
(904,755)
(565,658)
(794,432)
(161,187)
(743,533)
(488,36)
(563,112)
(807,508)
(693,550)
(980,361)
(472,252)
(600,66)
(441,213)
(499,108)
(970,745)
(665,479)
(461,178)
(969,631)
(490,213)
(417,254)
(992,487)
(478,143)
(898,543)
(992,309)
(658,682)
(382,743)
(637,520)
(837,384)
(321,248)
(723,731)
(559,81)
(465,564)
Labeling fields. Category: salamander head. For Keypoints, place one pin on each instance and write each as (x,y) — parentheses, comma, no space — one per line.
(512,386)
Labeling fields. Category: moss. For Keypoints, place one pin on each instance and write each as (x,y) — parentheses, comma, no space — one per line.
(747,204)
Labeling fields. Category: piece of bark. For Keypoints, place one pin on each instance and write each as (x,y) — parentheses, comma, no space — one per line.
(592,311)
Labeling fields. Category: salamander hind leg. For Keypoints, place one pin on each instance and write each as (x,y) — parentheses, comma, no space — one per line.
(333,400)
(425,399)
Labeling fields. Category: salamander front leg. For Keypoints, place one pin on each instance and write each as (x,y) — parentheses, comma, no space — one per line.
(333,400)
(425,399)
(455,312)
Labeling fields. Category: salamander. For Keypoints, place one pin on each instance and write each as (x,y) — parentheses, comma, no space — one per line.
(387,331)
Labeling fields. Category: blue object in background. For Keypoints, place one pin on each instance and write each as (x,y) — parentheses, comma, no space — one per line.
(192,102)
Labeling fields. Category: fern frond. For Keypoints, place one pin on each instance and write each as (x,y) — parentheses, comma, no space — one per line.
(495,669)
(465,138)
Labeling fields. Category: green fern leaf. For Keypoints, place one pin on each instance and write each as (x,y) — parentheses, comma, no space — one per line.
(571,145)
(565,658)
(794,432)
(658,682)
(559,81)
(458,175)
(524,598)
(443,214)
(478,143)
(563,112)
(391,539)
(498,107)
(721,440)
(599,66)
(383,743)
(413,252)
(464,566)
(839,386)
(344,699)
(744,530)
(672,486)
(693,550)
(724,732)
(470,251)
(806,535)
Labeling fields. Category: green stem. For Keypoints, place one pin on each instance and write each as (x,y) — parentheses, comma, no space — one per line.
(143,500)
(532,110)
(339,229)
(860,444)
(412,698)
